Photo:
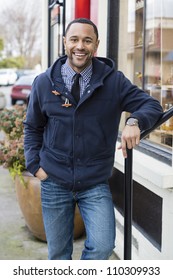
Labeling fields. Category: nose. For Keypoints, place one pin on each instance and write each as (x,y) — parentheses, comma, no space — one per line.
(80,44)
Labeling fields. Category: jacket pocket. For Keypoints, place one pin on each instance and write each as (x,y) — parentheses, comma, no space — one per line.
(58,135)
(95,140)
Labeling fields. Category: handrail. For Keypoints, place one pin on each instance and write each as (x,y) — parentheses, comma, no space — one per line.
(128,188)
(166,116)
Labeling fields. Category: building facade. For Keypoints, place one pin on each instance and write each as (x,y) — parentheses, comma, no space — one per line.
(137,35)
(144,55)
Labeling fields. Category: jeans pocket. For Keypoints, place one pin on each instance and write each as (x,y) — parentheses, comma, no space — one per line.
(44,180)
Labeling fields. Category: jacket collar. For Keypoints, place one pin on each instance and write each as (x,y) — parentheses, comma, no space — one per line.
(102,67)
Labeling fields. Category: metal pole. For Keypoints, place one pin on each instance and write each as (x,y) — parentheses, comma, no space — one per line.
(128,204)
(59,22)
(113,30)
(49,35)
(63,25)
(144,47)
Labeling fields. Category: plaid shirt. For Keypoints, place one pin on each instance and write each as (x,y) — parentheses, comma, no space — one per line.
(68,76)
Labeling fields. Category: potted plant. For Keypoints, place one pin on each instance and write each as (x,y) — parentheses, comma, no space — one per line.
(27,186)
(12,157)
(11,147)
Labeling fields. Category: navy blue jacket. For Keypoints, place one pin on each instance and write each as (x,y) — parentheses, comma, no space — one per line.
(75,145)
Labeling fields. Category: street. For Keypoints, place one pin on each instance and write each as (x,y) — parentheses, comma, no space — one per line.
(7,90)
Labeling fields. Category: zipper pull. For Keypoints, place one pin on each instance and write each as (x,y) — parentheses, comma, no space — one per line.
(66,103)
(55,92)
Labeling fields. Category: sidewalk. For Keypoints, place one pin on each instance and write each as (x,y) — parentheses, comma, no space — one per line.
(16,242)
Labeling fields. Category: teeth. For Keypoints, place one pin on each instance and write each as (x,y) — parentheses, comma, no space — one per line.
(79,54)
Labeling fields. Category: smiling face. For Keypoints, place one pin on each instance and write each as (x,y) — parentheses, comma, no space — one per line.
(80,44)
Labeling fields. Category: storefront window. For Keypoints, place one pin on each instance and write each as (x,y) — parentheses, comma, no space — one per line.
(146,55)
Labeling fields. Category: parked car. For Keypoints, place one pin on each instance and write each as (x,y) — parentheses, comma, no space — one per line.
(23,72)
(21,89)
(7,77)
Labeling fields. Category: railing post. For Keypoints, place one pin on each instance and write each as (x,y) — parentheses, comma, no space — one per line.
(128,204)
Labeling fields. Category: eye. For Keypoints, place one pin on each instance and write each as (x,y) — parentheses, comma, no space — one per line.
(88,41)
(73,40)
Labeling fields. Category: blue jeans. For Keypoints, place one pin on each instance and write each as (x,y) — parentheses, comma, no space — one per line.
(97,210)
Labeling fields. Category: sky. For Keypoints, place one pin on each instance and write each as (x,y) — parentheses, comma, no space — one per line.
(3,3)
(6,3)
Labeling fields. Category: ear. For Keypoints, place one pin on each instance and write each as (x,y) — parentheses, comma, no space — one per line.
(97,44)
(64,41)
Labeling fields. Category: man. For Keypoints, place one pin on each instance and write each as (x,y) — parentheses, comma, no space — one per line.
(70,143)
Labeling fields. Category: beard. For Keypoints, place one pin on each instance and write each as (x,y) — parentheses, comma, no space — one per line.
(79,63)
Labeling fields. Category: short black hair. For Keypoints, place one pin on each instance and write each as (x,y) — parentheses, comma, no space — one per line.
(85,21)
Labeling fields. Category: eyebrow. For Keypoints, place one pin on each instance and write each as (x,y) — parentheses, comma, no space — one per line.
(75,36)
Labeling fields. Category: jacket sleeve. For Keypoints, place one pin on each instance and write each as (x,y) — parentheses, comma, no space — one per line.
(33,130)
(140,104)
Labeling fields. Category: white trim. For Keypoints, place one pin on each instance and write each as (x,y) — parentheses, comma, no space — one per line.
(147,170)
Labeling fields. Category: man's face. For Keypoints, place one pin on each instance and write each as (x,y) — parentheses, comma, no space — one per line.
(80,45)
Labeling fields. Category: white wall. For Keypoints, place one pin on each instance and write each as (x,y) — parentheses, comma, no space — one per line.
(102,27)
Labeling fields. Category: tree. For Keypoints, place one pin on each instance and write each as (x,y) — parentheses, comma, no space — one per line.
(21,30)
(12,62)
(1,44)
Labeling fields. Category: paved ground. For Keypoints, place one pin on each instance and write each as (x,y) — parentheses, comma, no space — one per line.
(16,242)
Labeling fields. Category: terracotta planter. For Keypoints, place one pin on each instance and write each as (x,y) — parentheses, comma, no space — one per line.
(30,204)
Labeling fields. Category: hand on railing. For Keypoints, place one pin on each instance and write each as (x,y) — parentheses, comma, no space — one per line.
(129,139)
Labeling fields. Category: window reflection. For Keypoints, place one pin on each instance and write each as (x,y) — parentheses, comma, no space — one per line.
(149,54)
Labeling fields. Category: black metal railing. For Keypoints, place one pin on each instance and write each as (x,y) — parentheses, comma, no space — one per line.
(128,188)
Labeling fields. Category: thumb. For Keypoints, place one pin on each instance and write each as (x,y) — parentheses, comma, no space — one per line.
(119,147)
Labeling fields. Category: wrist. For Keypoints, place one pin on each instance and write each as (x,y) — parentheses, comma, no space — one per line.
(132,122)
